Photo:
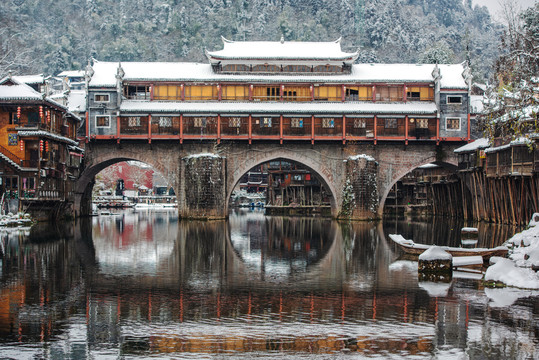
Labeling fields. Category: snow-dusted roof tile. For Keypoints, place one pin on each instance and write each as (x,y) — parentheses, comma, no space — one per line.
(286,50)
(452,76)
(105,74)
(477,144)
(417,108)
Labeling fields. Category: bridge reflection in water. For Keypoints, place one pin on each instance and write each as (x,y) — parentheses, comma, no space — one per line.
(144,284)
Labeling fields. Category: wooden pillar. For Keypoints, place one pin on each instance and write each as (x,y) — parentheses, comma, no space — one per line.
(344,129)
(406,127)
(149,129)
(181,128)
(312,129)
(375,130)
(250,129)
(218,128)
(281,128)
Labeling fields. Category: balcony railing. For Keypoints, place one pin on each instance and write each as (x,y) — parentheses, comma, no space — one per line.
(277,127)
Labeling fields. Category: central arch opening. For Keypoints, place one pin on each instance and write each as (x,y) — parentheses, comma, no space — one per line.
(282,187)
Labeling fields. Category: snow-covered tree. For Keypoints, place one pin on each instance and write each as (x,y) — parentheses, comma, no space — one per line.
(512,103)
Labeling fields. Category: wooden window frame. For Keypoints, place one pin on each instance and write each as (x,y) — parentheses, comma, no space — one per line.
(101,101)
(448,120)
(454,97)
(103,117)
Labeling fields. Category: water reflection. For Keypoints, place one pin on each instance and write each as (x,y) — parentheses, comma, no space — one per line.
(140,285)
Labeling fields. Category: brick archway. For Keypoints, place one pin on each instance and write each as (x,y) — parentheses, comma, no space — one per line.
(330,179)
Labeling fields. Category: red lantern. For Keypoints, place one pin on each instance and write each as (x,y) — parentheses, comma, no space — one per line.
(41,113)
(21,144)
(19,112)
(48,116)
(46,146)
(40,145)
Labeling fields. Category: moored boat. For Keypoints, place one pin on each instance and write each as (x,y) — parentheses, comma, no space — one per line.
(409,247)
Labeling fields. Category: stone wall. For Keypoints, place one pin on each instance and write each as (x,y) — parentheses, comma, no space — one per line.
(360,191)
(204,187)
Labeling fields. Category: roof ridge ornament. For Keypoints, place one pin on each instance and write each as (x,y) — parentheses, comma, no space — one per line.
(225,40)
(338,41)
(282,39)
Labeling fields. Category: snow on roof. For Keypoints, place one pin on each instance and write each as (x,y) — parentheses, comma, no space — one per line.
(104,74)
(474,145)
(452,76)
(519,141)
(72,73)
(76,101)
(418,108)
(289,50)
(30,79)
(46,134)
(19,92)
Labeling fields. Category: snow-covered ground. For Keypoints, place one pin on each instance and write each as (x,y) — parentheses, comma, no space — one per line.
(519,270)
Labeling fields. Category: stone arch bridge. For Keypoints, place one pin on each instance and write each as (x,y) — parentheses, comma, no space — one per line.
(359,176)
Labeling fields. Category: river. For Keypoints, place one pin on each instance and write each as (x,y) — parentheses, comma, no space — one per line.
(145,285)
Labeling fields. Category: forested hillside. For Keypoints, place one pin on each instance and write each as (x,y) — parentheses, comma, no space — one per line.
(51,36)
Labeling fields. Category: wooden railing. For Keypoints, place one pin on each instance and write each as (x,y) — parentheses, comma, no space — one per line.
(276,127)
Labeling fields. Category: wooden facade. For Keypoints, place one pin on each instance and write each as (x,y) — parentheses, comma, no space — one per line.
(40,156)
(284,92)
(501,183)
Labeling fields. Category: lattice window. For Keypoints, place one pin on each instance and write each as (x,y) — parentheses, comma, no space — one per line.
(422,123)
(452,124)
(133,121)
(165,121)
(12,139)
(296,122)
(266,122)
(391,123)
(234,122)
(360,123)
(199,122)
(328,122)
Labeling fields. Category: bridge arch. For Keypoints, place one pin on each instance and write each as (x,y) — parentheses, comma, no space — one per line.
(317,169)
(100,160)
(402,171)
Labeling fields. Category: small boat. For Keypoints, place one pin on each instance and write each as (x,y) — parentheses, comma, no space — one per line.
(409,247)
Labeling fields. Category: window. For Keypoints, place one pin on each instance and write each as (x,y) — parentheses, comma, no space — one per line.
(452,124)
(390,123)
(101,98)
(133,121)
(454,99)
(266,68)
(296,122)
(327,68)
(266,122)
(234,92)
(389,93)
(199,122)
(167,92)
(297,68)
(234,122)
(236,68)
(137,92)
(422,123)
(329,93)
(165,121)
(328,122)
(360,123)
(102,120)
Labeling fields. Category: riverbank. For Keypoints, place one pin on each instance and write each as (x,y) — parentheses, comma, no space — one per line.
(520,269)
